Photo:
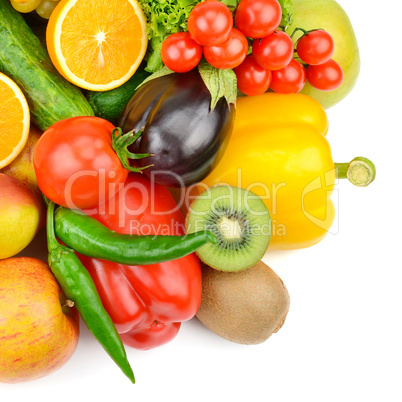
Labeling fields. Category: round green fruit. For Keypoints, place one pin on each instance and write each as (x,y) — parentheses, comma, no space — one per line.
(330,16)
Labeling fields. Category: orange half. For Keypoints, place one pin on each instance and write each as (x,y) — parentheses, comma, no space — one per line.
(97,44)
(14,120)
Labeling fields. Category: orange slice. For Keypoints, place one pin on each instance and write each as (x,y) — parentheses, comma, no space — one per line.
(14,120)
(97,44)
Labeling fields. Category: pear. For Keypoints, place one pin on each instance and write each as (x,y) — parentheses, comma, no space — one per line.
(330,16)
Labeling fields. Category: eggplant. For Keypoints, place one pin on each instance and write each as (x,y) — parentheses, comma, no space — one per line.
(186,139)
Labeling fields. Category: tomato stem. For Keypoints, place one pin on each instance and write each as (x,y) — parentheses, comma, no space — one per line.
(285,27)
(305,32)
(120,144)
(299,29)
(360,171)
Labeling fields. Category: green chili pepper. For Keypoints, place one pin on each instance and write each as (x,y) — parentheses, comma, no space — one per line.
(89,237)
(78,286)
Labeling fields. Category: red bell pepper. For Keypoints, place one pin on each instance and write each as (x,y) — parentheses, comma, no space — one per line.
(146,303)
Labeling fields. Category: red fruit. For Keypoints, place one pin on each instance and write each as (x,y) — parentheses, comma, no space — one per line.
(273,52)
(290,79)
(252,79)
(230,53)
(326,77)
(180,53)
(210,23)
(315,47)
(258,18)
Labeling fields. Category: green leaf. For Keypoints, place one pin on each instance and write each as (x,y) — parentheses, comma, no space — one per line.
(160,73)
(220,83)
(231,4)
(287,8)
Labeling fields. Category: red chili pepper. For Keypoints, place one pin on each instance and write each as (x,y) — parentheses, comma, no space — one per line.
(146,303)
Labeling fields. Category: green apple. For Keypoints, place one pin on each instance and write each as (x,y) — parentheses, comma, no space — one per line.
(330,16)
(39,328)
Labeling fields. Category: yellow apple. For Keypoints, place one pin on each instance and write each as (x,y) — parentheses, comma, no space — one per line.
(22,214)
(39,329)
(330,16)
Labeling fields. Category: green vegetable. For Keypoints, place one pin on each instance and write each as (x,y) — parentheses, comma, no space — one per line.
(23,58)
(89,237)
(287,8)
(79,287)
(110,104)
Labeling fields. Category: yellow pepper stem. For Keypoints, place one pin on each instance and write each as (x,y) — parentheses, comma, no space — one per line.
(360,171)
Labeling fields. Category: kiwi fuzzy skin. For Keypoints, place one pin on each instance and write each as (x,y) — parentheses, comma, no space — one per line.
(245,306)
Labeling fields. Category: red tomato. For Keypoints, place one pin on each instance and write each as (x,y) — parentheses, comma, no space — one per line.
(180,53)
(252,79)
(326,77)
(75,164)
(230,53)
(290,79)
(258,18)
(273,52)
(315,47)
(146,303)
(210,23)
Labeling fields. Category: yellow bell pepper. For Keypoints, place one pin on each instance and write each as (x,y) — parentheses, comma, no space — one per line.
(279,151)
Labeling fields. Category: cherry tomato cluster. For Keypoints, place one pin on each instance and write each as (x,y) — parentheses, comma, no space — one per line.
(316,48)
(271,64)
(210,34)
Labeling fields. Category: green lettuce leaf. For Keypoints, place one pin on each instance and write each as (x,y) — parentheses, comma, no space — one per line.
(287,8)
(164,17)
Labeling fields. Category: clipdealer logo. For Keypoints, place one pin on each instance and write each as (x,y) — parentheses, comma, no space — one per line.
(186,195)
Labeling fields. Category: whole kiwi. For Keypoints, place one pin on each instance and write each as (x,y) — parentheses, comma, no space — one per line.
(244,307)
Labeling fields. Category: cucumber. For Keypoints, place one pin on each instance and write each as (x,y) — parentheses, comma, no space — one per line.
(22,58)
(110,104)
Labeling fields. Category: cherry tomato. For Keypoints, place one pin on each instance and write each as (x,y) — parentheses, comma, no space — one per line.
(75,164)
(180,53)
(315,47)
(326,77)
(290,79)
(274,51)
(210,23)
(252,79)
(258,18)
(230,53)
(146,303)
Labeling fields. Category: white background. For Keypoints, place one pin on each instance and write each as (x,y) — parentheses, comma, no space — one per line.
(342,340)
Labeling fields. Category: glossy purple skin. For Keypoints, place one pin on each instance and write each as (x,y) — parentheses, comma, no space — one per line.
(186,138)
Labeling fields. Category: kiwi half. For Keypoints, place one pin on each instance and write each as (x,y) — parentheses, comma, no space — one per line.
(240,221)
